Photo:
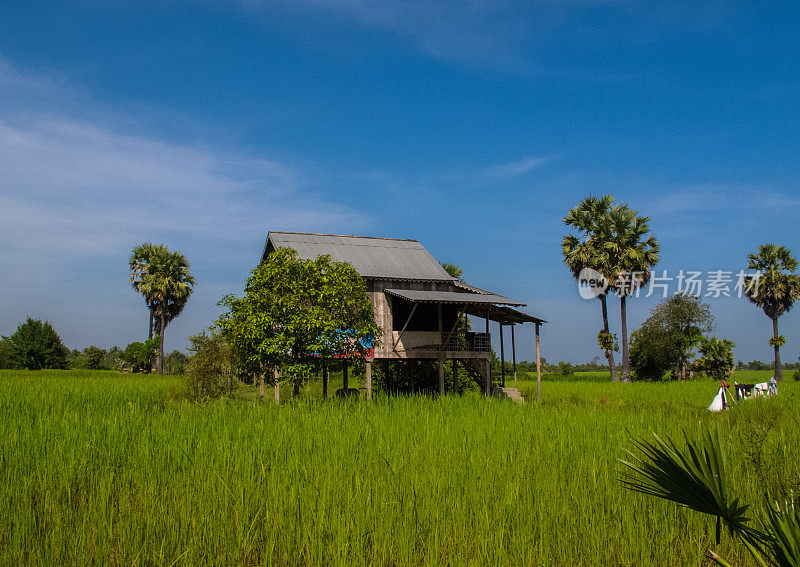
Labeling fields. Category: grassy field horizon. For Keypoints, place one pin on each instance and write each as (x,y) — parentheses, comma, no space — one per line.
(119,469)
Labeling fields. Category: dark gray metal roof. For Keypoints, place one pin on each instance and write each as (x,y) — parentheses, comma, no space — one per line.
(464,285)
(377,258)
(451,297)
(505,315)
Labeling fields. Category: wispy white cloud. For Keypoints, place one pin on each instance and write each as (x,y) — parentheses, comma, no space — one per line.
(717,197)
(513,36)
(71,185)
(515,168)
(79,188)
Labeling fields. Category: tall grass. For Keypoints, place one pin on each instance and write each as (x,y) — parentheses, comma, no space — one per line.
(111,469)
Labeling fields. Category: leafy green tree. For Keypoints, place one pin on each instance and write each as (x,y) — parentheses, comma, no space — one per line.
(650,353)
(163,278)
(632,252)
(776,290)
(588,250)
(296,314)
(668,337)
(716,357)
(140,356)
(7,359)
(212,367)
(36,345)
(112,360)
(93,357)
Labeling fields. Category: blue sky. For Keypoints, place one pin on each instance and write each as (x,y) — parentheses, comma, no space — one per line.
(470,126)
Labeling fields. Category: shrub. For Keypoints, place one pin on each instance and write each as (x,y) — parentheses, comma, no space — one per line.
(175,363)
(36,345)
(210,372)
(565,369)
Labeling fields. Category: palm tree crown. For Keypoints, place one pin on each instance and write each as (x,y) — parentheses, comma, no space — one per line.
(631,254)
(778,287)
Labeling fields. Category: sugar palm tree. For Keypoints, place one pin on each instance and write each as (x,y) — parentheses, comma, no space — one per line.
(163,278)
(590,218)
(172,284)
(777,289)
(141,262)
(632,252)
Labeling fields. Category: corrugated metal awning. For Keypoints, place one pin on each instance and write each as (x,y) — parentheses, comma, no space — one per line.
(463,298)
(483,305)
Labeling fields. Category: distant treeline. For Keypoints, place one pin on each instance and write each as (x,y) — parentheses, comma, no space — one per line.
(566,368)
(35,345)
(758,365)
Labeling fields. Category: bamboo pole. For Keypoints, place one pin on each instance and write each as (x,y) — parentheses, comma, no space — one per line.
(441,352)
(368,373)
(502,358)
(514,355)
(538,367)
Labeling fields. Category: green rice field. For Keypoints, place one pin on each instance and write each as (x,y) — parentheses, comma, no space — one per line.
(101,468)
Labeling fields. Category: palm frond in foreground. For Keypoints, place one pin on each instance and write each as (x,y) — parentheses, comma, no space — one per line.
(696,477)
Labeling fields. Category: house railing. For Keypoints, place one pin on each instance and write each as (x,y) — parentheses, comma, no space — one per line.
(475,342)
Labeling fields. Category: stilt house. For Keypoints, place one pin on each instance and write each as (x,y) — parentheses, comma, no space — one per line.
(418,304)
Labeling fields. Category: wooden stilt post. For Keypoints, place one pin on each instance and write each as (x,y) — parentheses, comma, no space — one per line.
(538,367)
(502,357)
(368,372)
(441,374)
(276,376)
(345,369)
(441,351)
(514,355)
(325,379)
(488,384)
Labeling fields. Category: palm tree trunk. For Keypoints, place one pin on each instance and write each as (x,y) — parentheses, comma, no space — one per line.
(161,347)
(778,369)
(609,352)
(623,311)
(150,334)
